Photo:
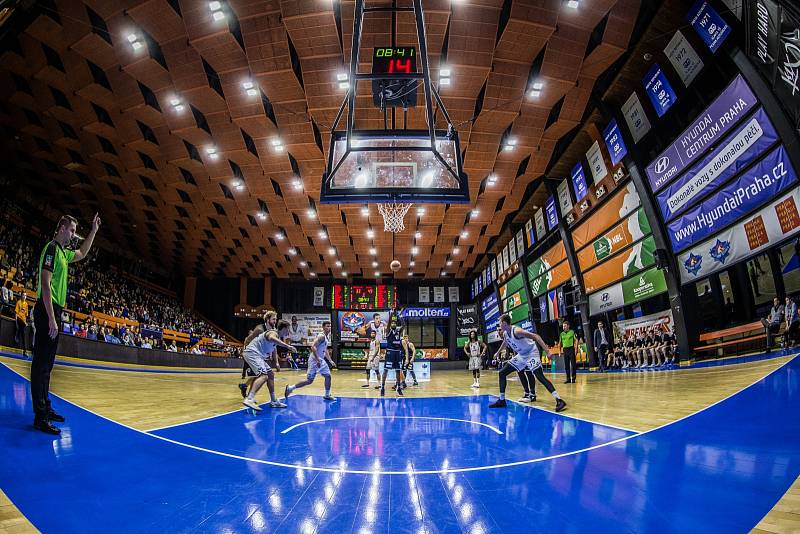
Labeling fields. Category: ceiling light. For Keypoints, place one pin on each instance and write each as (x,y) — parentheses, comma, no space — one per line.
(492,179)
(212,152)
(261,215)
(412,263)
(297,184)
(377,273)
(216,10)
(344,85)
(344,273)
(449,263)
(218,15)
(176,104)
(410,273)
(370,233)
(456,250)
(534,93)
(134,40)
(338,263)
(420,211)
(510,144)
(303,264)
(332,251)
(293,251)
(538,86)
(322,234)
(464,234)
(414,251)
(311,213)
(365,212)
(279,236)
(373,251)
(374,263)
(444,72)
(417,235)
(572,4)
(312,275)
(250,88)
(342,76)
(475,212)
(214,6)
(444,81)
(277,145)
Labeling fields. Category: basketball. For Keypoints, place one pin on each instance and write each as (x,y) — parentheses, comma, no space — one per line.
(394,266)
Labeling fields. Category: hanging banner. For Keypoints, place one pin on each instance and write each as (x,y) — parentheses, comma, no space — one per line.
(520,243)
(543,317)
(787,84)
(659,90)
(733,154)
(663,321)
(771,225)
(493,268)
(756,186)
(614,143)
(627,263)
(763,27)
(506,259)
(438,294)
(552,214)
(564,200)
(541,230)
(425,293)
(635,117)
(529,235)
(684,58)
(730,106)
(466,319)
(319,296)
(512,251)
(708,24)
(619,206)
(453,294)
(596,162)
(622,235)
(579,182)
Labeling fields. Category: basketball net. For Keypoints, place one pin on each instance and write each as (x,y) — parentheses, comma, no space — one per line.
(393,215)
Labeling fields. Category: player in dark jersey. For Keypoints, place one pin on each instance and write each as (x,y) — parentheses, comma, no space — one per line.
(409,351)
(394,356)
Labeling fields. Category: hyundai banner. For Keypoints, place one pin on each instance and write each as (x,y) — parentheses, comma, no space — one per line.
(759,184)
(579,182)
(659,90)
(778,221)
(614,143)
(736,152)
(708,24)
(730,106)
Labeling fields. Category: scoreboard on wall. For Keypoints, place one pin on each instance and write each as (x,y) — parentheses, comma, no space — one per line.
(363,297)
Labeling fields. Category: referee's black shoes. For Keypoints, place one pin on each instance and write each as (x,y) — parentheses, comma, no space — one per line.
(46,427)
(53,416)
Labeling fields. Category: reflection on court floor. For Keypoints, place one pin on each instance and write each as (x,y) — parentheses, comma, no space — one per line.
(405,465)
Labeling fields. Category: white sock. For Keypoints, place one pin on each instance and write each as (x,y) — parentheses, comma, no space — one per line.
(289,388)
(555,395)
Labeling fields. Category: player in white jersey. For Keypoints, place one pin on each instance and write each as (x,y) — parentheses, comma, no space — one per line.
(260,345)
(374,359)
(319,361)
(527,346)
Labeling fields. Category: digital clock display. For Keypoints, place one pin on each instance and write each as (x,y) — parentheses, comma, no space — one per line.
(393,60)
(363,297)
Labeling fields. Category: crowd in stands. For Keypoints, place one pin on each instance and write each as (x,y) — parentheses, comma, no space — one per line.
(97,285)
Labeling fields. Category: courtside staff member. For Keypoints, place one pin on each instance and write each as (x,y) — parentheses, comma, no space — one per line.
(52,296)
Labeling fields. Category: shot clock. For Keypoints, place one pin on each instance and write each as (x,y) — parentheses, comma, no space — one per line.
(394,92)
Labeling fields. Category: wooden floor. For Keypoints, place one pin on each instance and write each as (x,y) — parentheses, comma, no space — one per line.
(636,401)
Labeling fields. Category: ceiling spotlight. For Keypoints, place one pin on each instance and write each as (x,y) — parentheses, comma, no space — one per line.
(420,211)
(456,250)
(410,273)
(510,144)
(444,81)
(444,75)
(534,93)
(293,251)
(464,234)
(322,234)
(449,263)
(492,179)
(538,86)
(212,152)
(412,263)
(373,251)
(374,263)
(216,10)
(332,251)
(417,235)
(573,4)
(297,184)
(338,263)
(414,251)
(133,39)
(303,264)
(370,233)
(261,215)
(277,145)
(311,213)
(342,76)
(279,236)
(250,88)
(475,212)
(312,275)
(176,104)
(377,273)
(344,85)
(443,273)
(365,212)
(344,273)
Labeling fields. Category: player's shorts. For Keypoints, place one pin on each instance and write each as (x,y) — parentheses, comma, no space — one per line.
(394,360)
(520,362)
(257,363)
(408,366)
(474,363)
(374,362)
(323,368)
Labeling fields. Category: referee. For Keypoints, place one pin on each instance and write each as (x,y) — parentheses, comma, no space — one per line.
(568,348)
(52,296)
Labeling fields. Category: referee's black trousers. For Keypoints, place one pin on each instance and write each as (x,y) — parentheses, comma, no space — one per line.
(44,355)
(570,366)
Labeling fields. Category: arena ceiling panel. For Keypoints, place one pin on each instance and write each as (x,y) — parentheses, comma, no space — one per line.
(199,130)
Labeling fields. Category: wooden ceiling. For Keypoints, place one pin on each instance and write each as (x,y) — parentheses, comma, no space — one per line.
(96,122)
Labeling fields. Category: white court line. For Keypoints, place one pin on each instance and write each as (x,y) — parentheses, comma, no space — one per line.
(412,471)
(490,427)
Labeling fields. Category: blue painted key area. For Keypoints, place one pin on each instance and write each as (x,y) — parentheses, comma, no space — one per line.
(405,465)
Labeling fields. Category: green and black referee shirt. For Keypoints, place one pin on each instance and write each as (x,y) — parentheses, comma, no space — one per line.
(56,259)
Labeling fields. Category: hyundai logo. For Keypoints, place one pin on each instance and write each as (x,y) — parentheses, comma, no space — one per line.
(605,297)
(662,164)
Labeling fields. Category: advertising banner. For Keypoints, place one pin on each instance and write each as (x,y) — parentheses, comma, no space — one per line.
(552,214)
(305,327)
(538,216)
(596,162)
(645,285)
(662,320)
(564,200)
(636,118)
(515,284)
(466,319)
(632,229)
(579,182)
(429,354)
(425,313)
(772,175)
(614,143)
(550,279)
(776,222)
(763,26)
(735,152)
(529,235)
(608,299)
(520,243)
(491,317)
(787,83)
(620,205)
(683,57)
(547,261)
(730,106)
(353,324)
(708,24)
(627,263)
(659,90)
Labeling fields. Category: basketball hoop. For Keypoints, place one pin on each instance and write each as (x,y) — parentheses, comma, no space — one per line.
(393,215)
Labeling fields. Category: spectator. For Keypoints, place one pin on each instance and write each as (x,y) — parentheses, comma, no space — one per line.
(7,297)
(772,324)
(21,311)
(792,322)
(81,332)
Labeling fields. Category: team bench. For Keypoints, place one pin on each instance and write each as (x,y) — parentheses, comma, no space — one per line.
(736,339)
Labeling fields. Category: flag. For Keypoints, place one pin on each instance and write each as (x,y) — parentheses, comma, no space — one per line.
(562,302)
(552,304)
(543,309)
